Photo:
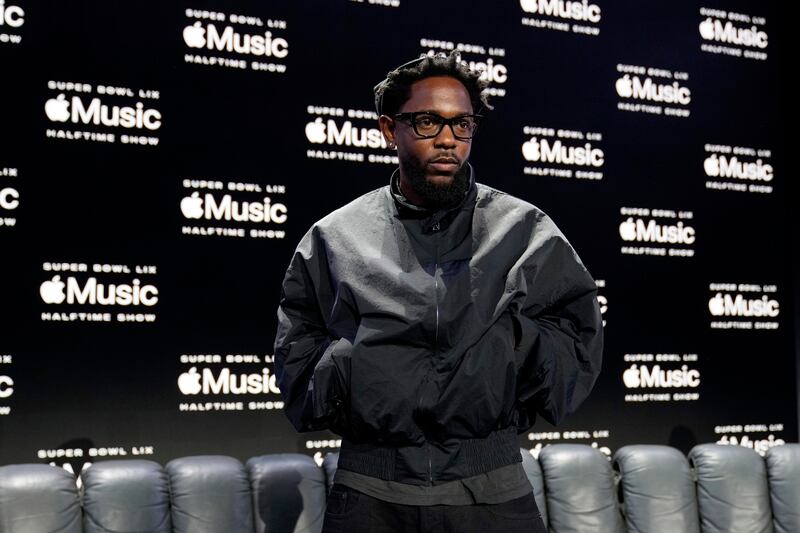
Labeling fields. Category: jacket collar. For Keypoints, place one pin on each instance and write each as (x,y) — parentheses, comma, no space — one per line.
(408,210)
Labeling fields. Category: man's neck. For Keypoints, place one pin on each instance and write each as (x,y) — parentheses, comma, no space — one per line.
(409,193)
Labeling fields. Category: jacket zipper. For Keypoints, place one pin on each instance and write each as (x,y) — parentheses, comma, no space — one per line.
(435,344)
(430,469)
(436,331)
(427,443)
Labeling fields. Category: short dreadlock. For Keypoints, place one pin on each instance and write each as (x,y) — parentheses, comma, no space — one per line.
(395,90)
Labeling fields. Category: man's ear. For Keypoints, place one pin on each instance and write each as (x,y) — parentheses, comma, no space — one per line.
(387,127)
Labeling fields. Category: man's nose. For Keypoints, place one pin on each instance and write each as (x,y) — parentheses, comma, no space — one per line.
(446,137)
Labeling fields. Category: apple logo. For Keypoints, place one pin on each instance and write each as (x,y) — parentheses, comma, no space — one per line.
(315,131)
(530,150)
(627,230)
(625,86)
(711,165)
(192,206)
(189,382)
(707,29)
(717,305)
(194,35)
(529,6)
(57,109)
(52,292)
(631,377)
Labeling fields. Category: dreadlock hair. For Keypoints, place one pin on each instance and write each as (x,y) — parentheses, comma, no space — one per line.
(395,90)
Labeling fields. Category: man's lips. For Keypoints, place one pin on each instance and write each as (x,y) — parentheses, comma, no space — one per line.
(446,164)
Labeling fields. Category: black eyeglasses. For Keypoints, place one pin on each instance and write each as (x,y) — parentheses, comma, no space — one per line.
(427,124)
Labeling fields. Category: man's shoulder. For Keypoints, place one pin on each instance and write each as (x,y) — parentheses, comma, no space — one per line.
(348,223)
(507,214)
(372,204)
(503,203)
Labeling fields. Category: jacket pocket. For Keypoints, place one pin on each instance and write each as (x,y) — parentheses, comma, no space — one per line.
(343,364)
(331,384)
(342,361)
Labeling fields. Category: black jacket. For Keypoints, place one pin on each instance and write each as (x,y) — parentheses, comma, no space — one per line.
(428,341)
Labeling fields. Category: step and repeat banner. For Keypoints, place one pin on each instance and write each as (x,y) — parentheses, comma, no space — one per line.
(159,162)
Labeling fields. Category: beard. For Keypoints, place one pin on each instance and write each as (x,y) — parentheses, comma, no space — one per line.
(436,195)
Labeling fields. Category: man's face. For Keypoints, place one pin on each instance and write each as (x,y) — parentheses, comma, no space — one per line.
(434,168)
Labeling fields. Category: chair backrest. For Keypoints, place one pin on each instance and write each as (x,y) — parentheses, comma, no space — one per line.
(38,498)
(643,489)
(783,471)
(210,493)
(580,490)
(202,494)
(657,489)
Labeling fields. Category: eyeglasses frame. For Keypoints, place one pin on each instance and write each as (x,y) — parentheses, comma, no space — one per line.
(445,122)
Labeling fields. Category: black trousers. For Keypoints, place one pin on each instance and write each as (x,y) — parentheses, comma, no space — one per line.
(351,511)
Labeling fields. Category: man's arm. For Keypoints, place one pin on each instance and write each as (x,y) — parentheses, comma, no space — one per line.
(311,366)
(561,339)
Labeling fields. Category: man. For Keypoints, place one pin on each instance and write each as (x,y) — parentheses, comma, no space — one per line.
(428,322)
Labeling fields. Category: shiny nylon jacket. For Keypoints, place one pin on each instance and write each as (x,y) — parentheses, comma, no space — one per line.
(428,341)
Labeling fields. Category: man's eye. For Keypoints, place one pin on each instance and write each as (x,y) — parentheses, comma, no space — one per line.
(425,121)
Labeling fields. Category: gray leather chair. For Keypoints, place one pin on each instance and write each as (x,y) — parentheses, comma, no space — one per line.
(643,489)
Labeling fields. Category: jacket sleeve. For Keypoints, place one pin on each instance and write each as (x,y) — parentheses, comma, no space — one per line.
(559,331)
(311,366)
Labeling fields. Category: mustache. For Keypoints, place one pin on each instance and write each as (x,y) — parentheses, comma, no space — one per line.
(445,158)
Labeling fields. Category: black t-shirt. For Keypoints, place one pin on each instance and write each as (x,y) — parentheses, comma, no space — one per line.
(496,486)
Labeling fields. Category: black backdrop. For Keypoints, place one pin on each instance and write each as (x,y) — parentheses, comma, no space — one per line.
(698,343)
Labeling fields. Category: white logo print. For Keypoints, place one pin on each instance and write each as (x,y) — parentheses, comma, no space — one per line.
(192,206)
(195,36)
(707,29)
(542,150)
(347,135)
(635,87)
(189,382)
(728,305)
(230,209)
(52,292)
(315,131)
(9,198)
(225,382)
(714,30)
(603,301)
(57,110)
(631,230)
(572,10)
(12,16)
(93,293)
(490,71)
(6,386)
(722,166)
(642,376)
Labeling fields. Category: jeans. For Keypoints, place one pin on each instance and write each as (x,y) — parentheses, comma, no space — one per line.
(351,511)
